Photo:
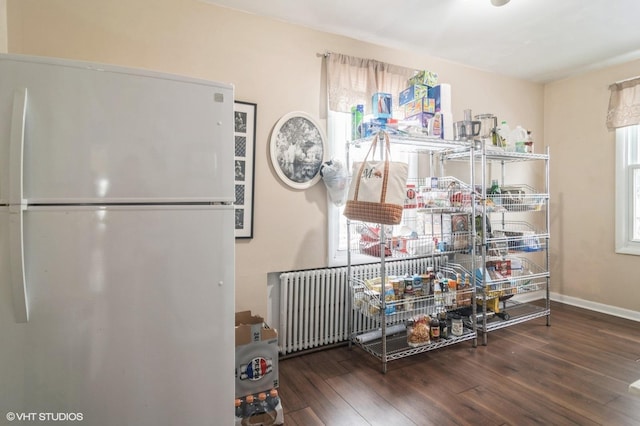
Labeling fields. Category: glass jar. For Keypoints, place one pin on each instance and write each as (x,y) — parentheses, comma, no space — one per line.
(457,328)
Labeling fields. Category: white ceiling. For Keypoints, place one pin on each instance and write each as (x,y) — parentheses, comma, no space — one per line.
(537,40)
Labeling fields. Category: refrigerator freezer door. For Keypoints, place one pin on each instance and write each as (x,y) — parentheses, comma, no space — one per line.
(96,133)
(131,316)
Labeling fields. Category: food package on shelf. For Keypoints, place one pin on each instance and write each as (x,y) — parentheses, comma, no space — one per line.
(418,106)
(418,331)
(370,241)
(425,77)
(413,92)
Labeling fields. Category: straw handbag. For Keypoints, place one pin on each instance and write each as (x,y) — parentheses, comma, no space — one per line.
(378,188)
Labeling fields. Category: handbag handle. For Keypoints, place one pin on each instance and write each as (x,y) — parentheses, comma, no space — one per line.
(385,173)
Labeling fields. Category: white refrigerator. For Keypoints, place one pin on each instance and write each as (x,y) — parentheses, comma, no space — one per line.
(116,245)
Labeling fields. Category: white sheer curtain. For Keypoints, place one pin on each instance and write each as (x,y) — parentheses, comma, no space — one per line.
(624,104)
(352,81)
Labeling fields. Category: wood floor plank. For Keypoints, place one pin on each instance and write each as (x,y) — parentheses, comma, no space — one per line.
(562,385)
(418,393)
(576,371)
(318,394)
(304,417)
(367,402)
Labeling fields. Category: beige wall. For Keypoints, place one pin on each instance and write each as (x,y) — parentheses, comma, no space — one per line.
(585,265)
(273,64)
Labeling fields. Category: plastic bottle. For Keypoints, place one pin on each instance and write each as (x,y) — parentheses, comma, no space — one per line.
(261,405)
(238,404)
(495,192)
(249,406)
(517,138)
(273,399)
(528,143)
(437,293)
(357,114)
(446,297)
(503,135)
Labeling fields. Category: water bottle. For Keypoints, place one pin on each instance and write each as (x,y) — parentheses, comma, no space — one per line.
(273,399)
(249,406)
(261,405)
(238,404)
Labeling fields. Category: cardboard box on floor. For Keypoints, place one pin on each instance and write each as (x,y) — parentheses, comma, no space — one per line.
(256,355)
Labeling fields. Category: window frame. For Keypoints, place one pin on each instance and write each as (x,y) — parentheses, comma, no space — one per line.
(627,205)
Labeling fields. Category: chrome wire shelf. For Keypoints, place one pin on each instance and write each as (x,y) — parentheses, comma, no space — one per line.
(517,312)
(397,346)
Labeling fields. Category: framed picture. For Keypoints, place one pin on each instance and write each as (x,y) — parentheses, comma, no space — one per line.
(245,145)
(297,148)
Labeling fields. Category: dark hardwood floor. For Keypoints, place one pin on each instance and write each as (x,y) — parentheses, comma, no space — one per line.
(575,372)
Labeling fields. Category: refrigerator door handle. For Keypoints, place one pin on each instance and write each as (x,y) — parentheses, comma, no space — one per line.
(17,205)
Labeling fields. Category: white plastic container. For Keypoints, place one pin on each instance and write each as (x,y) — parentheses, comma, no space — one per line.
(517,138)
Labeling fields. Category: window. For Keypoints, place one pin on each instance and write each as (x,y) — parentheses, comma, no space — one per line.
(352,81)
(339,133)
(628,190)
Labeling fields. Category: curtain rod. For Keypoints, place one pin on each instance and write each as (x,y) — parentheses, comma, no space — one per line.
(627,79)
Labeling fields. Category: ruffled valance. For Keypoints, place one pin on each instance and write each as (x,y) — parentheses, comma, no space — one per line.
(624,104)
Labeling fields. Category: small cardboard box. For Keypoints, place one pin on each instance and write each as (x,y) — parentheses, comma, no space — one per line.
(418,106)
(256,355)
(425,77)
(413,92)
(381,105)
(422,119)
(252,328)
(499,269)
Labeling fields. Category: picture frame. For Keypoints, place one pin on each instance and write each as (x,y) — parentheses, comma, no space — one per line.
(297,148)
(245,146)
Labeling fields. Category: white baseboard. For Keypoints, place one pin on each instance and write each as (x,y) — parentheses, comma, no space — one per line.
(598,307)
(581,303)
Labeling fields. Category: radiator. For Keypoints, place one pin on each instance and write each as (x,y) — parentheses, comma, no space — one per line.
(314,304)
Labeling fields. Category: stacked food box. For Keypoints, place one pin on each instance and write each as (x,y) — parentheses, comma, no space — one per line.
(424,104)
